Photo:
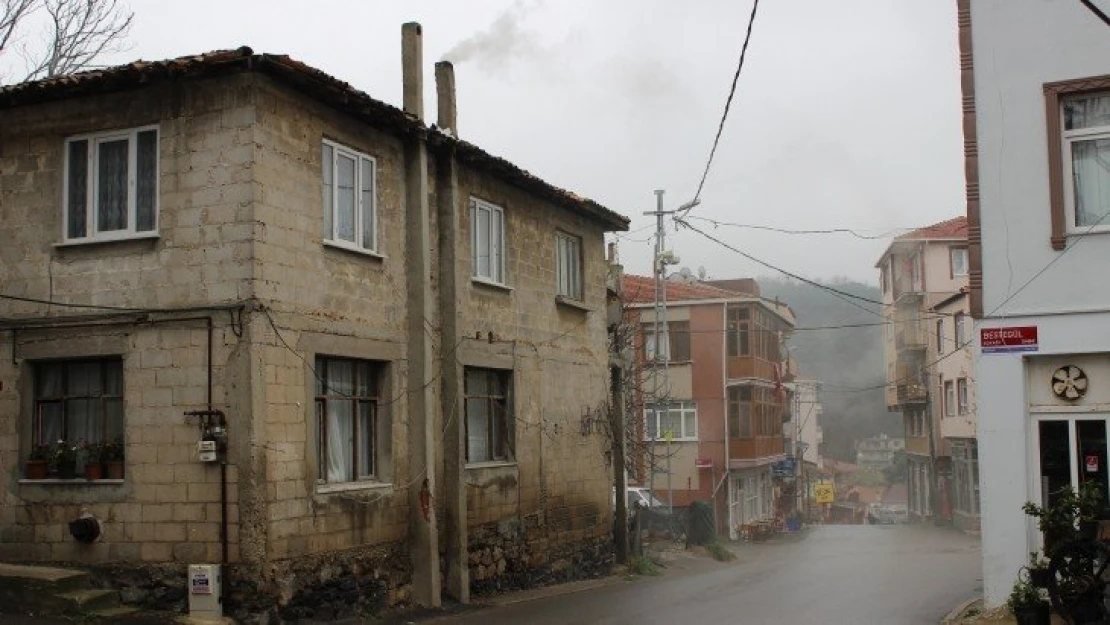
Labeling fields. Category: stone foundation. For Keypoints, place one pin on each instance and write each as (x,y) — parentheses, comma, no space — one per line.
(505,557)
(359,582)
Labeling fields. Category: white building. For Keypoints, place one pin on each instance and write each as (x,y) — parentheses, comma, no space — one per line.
(803,430)
(878,452)
(1036,80)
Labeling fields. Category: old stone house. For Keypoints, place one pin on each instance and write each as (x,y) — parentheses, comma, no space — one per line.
(402,336)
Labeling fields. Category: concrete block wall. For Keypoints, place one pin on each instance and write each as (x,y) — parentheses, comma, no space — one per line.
(317,292)
(167,509)
(560,365)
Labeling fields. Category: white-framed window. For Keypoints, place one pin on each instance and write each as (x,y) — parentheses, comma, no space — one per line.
(348,183)
(961,395)
(958,258)
(349,426)
(949,398)
(1085,132)
(489,421)
(111,185)
(678,418)
(961,329)
(568,258)
(487,241)
(916,283)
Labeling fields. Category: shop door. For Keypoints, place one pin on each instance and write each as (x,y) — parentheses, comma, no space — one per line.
(1070,452)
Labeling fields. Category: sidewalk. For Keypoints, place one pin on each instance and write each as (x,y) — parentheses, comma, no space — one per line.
(971,612)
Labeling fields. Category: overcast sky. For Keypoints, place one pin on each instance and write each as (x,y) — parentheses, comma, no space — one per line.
(847,114)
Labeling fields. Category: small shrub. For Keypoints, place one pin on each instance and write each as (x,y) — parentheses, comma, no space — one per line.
(643,565)
(719,552)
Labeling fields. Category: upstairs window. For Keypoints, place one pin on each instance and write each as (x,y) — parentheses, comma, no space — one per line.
(568,272)
(961,396)
(673,344)
(1086,147)
(958,258)
(349,188)
(111,185)
(675,419)
(949,399)
(487,241)
(961,330)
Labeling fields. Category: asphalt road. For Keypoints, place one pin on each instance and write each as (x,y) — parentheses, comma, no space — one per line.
(883,575)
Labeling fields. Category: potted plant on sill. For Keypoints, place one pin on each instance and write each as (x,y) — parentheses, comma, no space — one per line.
(62,461)
(112,457)
(94,457)
(1028,605)
(1038,571)
(37,462)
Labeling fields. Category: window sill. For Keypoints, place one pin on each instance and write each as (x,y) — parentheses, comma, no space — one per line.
(346,487)
(493,464)
(563,300)
(146,236)
(491,284)
(72,482)
(676,440)
(354,249)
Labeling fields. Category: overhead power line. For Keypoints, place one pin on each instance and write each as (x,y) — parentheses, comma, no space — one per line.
(728,102)
(837,292)
(854,233)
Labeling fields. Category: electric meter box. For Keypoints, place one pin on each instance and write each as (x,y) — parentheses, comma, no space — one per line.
(206,450)
(204,591)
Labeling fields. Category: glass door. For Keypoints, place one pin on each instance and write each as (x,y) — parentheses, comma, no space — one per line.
(1070,451)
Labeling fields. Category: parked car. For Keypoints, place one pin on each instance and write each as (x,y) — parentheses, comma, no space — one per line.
(891,513)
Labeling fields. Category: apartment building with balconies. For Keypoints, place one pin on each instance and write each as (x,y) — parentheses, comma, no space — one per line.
(930,379)
(715,395)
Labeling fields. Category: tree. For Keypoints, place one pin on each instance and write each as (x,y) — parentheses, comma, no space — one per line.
(77,32)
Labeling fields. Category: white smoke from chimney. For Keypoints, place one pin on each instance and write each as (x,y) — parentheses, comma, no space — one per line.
(504,40)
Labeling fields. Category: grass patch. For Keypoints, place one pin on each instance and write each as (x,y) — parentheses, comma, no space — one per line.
(643,565)
(719,552)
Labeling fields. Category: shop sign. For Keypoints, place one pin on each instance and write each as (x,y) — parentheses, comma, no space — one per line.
(703,463)
(824,492)
(1009,339)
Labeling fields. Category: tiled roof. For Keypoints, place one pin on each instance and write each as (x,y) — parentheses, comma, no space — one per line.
(313,83)
(641,290)
(955,228)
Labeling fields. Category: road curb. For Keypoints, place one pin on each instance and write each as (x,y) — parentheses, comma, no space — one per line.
(556,590)
(957,613)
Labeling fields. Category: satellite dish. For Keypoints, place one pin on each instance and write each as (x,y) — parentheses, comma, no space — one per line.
(686,273)
(701,273)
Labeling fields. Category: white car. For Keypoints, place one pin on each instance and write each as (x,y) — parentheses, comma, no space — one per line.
(642,497)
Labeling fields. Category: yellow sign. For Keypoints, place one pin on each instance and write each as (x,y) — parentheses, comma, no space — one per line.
(823,492)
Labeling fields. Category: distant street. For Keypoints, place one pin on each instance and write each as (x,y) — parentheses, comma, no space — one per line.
(889,575)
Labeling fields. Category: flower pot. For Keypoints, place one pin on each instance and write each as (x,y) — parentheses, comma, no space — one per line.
(1040,577)
(67,470)
(36,470)
(94,471)
(113,469)
(1033,615)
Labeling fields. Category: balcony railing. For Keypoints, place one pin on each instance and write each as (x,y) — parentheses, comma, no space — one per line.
(752,448)
(910,335)
(911,392)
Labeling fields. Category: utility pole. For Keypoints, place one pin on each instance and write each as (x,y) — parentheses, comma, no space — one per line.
(659,268)
(662,259)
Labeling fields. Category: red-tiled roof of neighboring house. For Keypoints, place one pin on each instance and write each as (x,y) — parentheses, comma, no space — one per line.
(313,83)
(955,228)
(641,290)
